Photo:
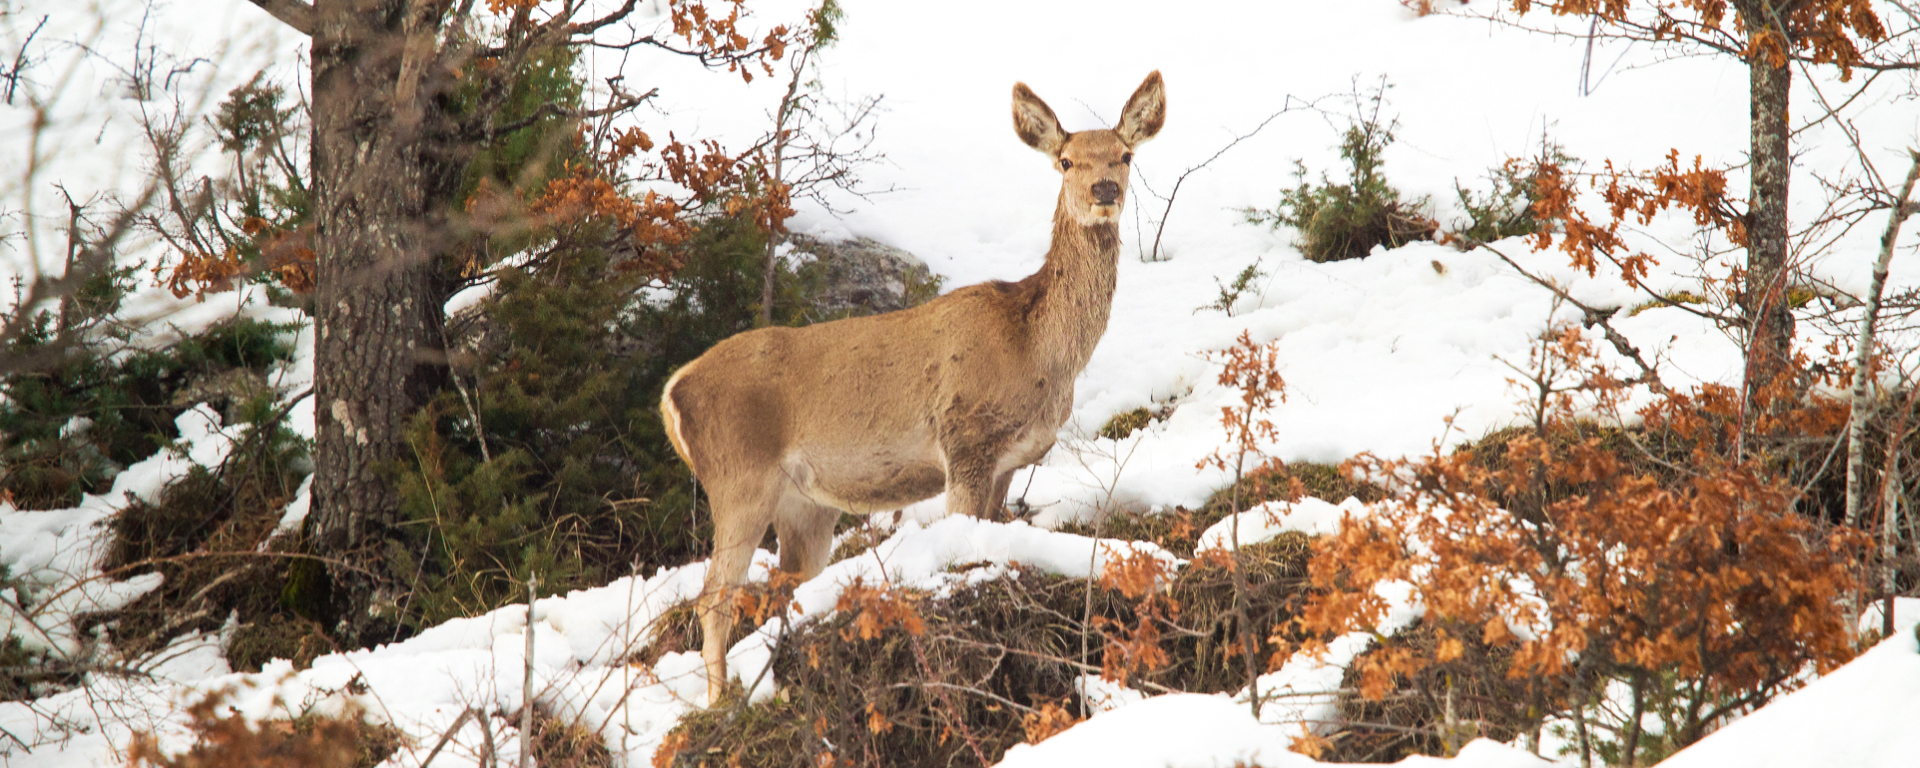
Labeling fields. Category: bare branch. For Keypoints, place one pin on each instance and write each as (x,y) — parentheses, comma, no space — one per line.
(293,13)
(1166,213)
(1595,317)
(20,60)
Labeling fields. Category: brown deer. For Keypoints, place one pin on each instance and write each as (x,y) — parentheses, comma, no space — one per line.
(789,426)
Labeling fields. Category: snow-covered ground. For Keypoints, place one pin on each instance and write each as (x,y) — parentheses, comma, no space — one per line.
(1377,353)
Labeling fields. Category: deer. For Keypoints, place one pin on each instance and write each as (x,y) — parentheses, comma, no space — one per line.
(788,427)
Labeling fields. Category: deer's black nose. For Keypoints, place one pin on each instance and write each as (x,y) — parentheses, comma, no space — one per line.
(1105,192)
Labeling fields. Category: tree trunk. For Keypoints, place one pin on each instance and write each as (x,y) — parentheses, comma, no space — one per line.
(377,304)
(1863,347)
(1763,299)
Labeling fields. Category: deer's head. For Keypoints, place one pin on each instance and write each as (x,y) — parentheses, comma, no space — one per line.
(1093,164)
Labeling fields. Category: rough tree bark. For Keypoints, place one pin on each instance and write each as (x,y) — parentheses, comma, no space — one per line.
(377,184)
(1763,297)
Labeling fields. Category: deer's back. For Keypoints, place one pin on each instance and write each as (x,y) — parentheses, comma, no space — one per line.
(859,402)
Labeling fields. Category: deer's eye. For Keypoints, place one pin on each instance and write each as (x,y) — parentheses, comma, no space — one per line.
(1065,164)
(1126,157)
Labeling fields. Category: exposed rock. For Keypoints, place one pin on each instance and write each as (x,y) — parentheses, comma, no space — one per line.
(227,391)
(863,276)
(849,278)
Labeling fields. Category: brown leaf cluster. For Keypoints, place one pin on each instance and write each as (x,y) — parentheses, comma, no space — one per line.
(878,609)
(762,604)
(1588,564)
(585,194)
(1135,573)
(282,254)
(670,747)
(227,740)
(1135,647)
(285,254)
(1048,720)
(199,273)
(1697,189)
(877,722)
(720,36)
(1253,370)
(1310,744)
(1823,31)
(511,6)
(651,223)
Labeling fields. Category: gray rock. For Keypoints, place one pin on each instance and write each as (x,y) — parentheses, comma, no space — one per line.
(227,391)
(863,276)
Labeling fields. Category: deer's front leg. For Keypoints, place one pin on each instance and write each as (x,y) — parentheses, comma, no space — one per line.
(972,441)
(974,488)
(970,489)
(997,503)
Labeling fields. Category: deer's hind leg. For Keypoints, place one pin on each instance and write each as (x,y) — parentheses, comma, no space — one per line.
(741,513)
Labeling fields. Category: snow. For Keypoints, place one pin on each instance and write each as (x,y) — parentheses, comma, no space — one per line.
(1863,715)
(1186,730)
(1314,517)
(1378,353)
(1175,730)
(55,554)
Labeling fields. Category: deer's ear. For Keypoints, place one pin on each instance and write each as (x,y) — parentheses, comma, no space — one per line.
(1034,121)
(1145,112)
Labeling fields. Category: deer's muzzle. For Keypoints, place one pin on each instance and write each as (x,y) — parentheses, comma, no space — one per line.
(1106,192)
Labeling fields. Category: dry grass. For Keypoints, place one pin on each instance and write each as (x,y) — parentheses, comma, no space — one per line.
(1442,707)
(227,740)
(994,666)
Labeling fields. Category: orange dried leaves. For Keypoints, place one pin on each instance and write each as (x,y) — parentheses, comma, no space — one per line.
(511,6)
(762,604)
(719,36)
(201,273)
(651,219)
(1135,573)
(1047,721)
(599,192)
(878,609)
(670,748)
(1698,189)
(1135,647)
(1823,31)
(223,736)
(1710,575)
(280,253)
(1253,370)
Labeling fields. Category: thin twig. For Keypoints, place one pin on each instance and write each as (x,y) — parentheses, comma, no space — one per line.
(1175,192)
(447,735)
(526,689)
(1593,316)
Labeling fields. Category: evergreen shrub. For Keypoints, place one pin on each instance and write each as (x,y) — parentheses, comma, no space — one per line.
(1338,221)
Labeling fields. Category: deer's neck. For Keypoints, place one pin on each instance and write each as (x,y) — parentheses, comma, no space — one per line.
(1078,283)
